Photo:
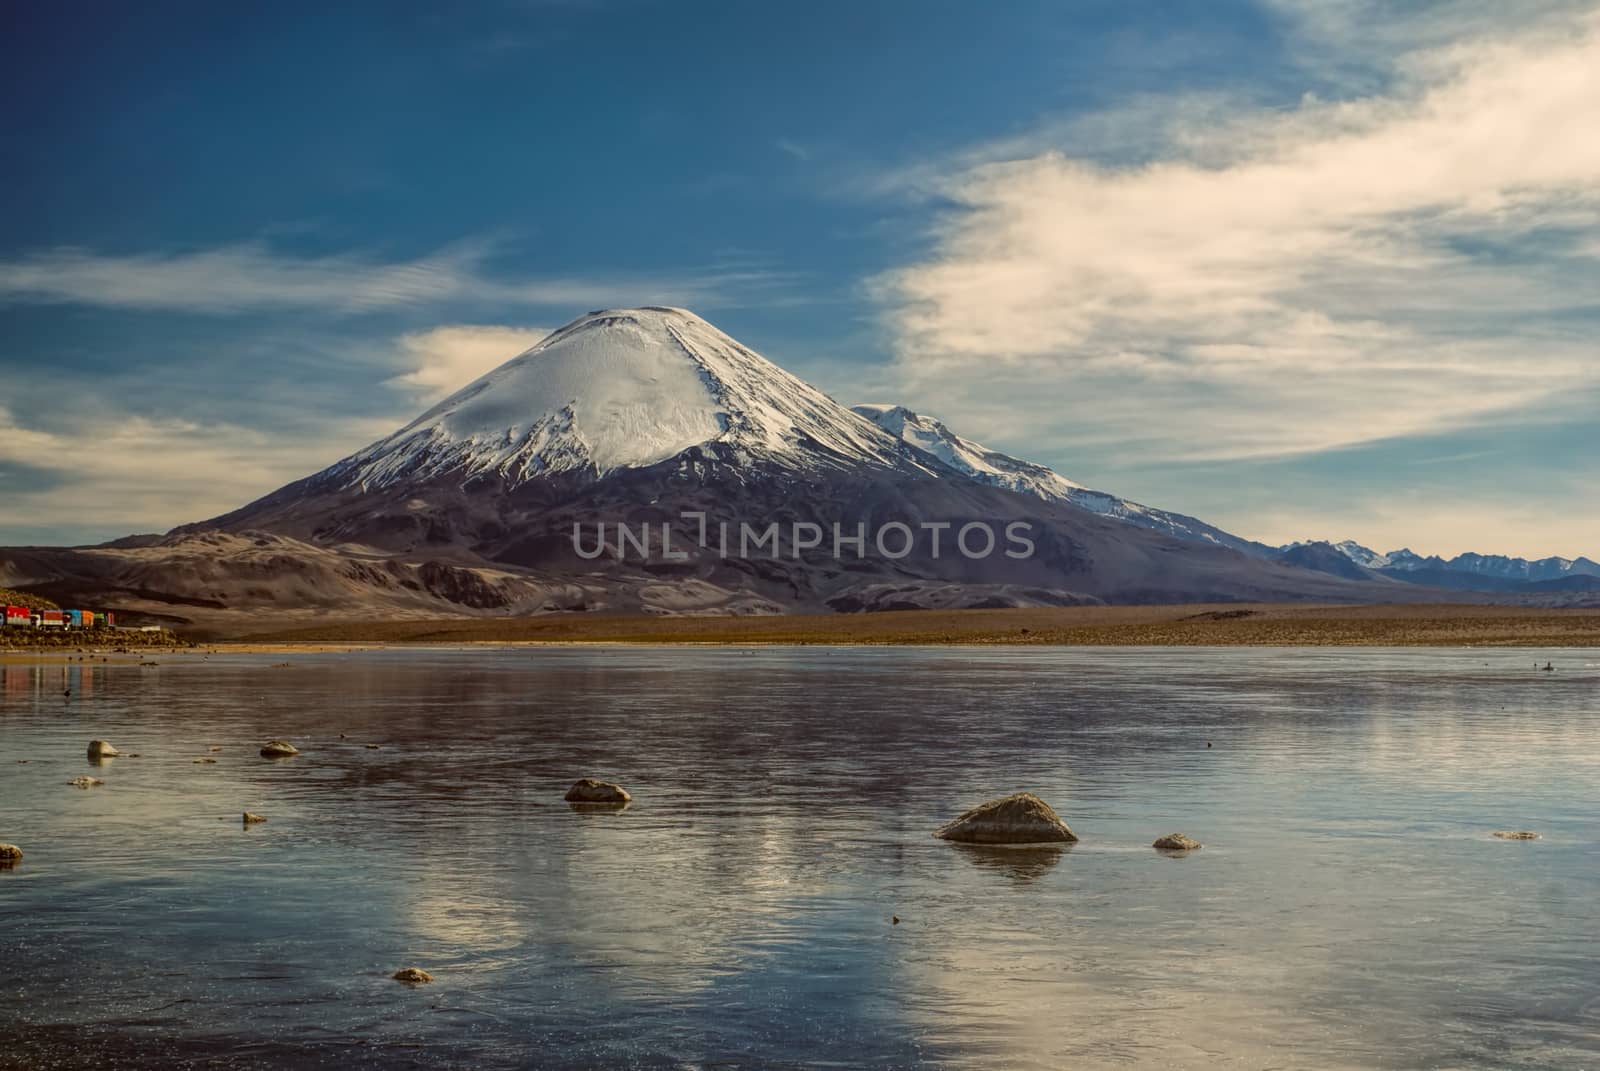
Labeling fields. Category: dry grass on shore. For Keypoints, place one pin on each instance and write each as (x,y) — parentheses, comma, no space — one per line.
(36,639)
(1266,624)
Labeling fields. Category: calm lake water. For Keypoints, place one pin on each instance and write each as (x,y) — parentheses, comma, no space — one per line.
(1349,908)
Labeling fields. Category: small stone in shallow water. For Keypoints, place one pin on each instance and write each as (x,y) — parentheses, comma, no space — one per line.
(374,747)
(588,790)
(1516,834)
(252,819)
(205,761)
(85,782)
(102,749)
(278,749)
(1022,818)
(9,853)
(1176,842)
(412,975)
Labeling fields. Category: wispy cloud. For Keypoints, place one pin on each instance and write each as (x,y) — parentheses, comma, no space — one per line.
(793,148)
(250,276)
(448,358)
(1269,283)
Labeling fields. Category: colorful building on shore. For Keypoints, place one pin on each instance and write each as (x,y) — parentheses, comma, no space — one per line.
(17,616)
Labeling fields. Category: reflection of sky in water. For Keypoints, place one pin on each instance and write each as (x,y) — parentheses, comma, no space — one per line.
(1348,909)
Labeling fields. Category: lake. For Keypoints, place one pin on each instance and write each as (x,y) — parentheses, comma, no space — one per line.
(1349,908)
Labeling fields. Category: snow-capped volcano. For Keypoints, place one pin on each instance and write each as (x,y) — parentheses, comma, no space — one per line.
(976,461)
(514,494)
(618,389)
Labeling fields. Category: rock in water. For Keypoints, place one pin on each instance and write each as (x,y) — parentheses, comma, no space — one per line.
(278,749)
(1020,819)
(252,819)
(85,782)
(1176,842)
(9,854)
(588,790)
(1516,834)
(412,975)
(101,749)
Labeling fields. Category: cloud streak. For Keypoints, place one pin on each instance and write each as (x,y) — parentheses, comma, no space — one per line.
(251,276)
(1277,283)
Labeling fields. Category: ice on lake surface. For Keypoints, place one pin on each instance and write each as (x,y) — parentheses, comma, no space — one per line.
(1350,908)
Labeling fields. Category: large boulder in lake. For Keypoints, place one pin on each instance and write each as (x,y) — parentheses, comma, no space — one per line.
(102,749)
(588,790)
(412,976)
(10,854)
(1020,819)
(278,749)
(1176,842)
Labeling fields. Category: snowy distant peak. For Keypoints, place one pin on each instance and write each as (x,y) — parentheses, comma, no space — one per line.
(622,388)
(1487,565)
(1362,556)
(976,461)
(930,436)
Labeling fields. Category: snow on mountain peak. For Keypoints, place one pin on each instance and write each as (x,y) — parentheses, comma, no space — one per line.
(621,388)
(967,457)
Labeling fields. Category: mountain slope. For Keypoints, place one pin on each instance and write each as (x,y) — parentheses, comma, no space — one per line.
(976,461)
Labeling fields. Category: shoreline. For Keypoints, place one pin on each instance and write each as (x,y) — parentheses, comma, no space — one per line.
(1183,625)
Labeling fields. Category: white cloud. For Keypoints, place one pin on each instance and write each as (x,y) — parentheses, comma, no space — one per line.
(1277,283)
(447,358)
(242,277)
(116,475)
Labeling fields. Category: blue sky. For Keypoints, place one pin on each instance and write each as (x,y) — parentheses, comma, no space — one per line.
(1305,270)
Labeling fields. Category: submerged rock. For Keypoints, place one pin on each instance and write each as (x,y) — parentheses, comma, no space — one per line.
(412,976)
(1516,834)
(102,749)
(252,819)
(1020,819)
(85,782)
(9,854)
(205,761)
(1176,842)
(588,790)
(278,749)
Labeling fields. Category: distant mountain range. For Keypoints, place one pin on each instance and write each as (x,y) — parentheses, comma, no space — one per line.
(653,422)
(1465,572)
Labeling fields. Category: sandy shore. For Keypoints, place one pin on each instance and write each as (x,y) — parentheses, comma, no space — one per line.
(1263,624)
